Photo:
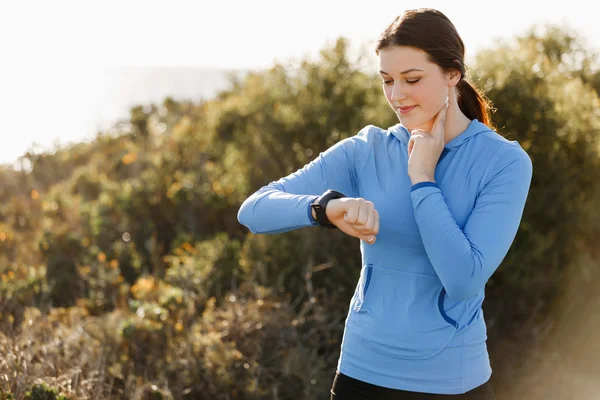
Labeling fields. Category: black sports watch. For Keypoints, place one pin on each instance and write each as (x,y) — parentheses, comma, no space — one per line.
(320,204)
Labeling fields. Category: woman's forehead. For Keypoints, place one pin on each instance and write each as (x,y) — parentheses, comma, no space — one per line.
(397,59)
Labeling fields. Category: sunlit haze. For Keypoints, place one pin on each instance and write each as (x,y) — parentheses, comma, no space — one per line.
(59,79)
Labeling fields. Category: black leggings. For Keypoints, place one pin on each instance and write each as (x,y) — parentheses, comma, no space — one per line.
(347,388)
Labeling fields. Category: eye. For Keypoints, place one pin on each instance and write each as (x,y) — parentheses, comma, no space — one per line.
(410,82)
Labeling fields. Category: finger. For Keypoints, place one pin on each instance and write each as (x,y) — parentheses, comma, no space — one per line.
(376,224)
(452,96)
(413,139)
(370,239)
(351,213)
(419,134)
(363,214)
(370,221)
(438,125)
(361,230)
(440,117)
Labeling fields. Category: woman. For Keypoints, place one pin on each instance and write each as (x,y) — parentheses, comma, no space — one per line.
(436,201)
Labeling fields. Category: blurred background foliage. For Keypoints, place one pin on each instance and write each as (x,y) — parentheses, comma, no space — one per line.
(124,273)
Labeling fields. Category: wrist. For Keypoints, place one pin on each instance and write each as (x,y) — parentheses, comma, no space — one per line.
(319,208)
(421,178)
(331,204)
(312,210)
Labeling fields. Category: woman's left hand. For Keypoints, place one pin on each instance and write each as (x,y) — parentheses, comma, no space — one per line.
(425,149)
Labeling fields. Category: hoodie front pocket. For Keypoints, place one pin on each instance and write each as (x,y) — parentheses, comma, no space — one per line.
(401,314)
(363,286)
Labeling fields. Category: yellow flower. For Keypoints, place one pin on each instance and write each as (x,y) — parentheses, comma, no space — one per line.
(129,158)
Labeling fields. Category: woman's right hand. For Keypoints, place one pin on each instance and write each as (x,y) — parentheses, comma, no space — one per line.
(354,216)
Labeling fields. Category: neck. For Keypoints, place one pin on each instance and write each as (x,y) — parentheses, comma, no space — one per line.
(456,123)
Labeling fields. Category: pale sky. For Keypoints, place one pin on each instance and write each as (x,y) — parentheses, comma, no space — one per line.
(55,79)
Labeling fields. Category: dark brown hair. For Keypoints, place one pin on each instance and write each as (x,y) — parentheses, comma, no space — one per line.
(431,31)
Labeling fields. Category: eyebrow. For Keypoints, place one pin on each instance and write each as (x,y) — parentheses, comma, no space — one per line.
(403,72)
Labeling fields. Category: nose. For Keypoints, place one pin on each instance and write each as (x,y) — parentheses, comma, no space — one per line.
(397,93)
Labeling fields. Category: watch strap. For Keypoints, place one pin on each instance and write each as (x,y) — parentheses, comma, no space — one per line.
(320,205)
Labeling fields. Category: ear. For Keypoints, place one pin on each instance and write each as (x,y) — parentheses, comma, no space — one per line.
(453,77)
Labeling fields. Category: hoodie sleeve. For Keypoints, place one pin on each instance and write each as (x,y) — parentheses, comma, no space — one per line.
(284,205)
(465,259)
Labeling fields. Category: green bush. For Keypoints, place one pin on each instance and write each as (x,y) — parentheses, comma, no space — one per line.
(538,85)
(124,270)
(6,395)
(42,391)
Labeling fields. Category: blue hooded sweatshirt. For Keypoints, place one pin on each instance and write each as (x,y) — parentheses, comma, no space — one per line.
(415,320)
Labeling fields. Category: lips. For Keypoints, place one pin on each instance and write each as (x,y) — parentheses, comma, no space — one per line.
(405,110)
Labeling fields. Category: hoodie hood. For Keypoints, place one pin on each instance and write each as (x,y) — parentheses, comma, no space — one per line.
(474,128)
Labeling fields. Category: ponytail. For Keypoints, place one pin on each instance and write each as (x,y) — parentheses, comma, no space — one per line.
(472,103)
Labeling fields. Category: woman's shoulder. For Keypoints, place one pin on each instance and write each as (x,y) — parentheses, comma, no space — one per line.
(499,144)
(371,134)
(504,150)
